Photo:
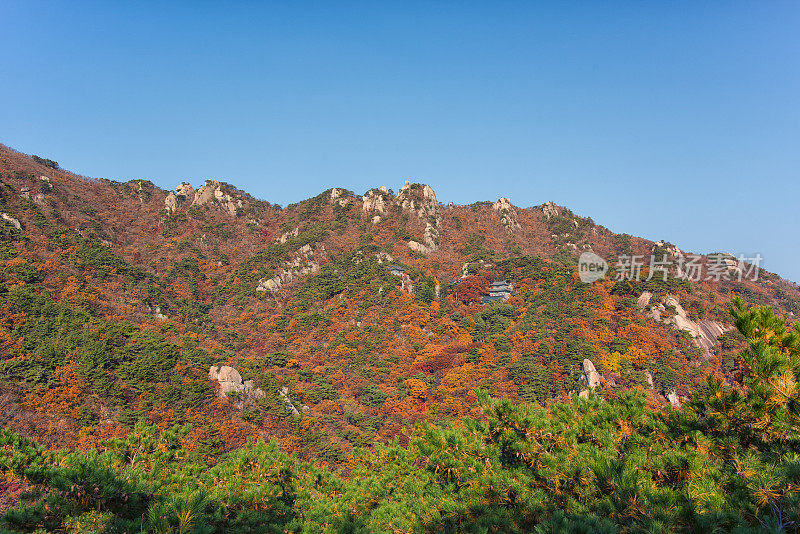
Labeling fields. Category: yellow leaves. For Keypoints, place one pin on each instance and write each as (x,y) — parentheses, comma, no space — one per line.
(417,388)
(635,355)
(766,495)
(783,389)
(611,361)
(463,339)
(343,351)
(625,428)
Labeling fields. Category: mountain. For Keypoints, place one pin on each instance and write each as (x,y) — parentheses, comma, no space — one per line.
(332,323)
(199,360)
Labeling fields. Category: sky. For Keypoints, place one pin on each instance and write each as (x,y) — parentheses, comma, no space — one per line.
(667,120)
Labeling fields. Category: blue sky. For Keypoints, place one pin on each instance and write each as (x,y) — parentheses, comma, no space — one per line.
(668,120)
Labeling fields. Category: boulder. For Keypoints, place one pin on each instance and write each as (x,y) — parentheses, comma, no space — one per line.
(185,190)
(643,300)
(384,257)
(158,315)
(673,399)
(591,374)
(272,284)
(419,247)
(230,381)
(11,220)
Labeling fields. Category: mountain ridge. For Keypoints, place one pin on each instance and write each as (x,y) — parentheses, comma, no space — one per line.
(366,310)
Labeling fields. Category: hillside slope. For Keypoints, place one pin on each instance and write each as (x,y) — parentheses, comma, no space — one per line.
(353,316)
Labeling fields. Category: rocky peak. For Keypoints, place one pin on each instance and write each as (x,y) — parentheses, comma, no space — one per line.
(667,248)
(502,204)
(419,199)
(508,216)
(550,210)
(338,196)
(211,192)
(175,198)
(376,200)
(185,190)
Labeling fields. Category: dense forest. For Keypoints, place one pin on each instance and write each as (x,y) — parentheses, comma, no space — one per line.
(201,360)
(728,461)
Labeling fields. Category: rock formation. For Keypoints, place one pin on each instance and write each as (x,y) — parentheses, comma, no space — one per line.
(284,393)
(230,381)
(508,217)
(668,248)
(705,333)
(175,198)
(376,200)
(301,265)
(288,235)
(673,399)
(591,374)
(212,191)
(649,378)
(550,210)
(644,300)
(592,378)
(419,199)
(429,239)
(11,220)
(337,196)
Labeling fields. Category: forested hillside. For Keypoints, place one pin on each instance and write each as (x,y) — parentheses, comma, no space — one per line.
(727,462)
(375,362)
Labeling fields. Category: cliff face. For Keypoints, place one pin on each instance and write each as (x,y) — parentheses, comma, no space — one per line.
(368,311)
